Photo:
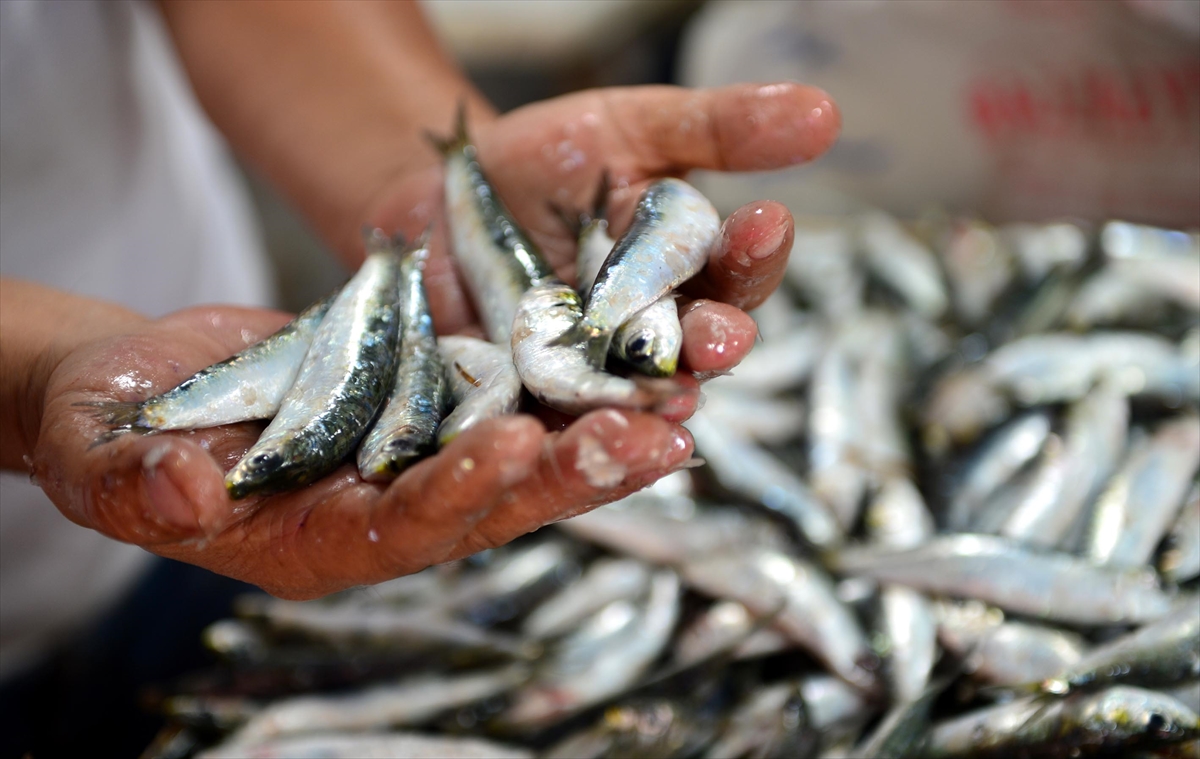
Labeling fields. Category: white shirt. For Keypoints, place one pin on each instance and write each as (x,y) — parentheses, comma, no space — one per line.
(113,185)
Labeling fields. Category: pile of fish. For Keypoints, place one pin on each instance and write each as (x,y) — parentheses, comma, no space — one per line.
(363,370)
(949,508)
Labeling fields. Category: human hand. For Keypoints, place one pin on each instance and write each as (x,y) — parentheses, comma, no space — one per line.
(498,481)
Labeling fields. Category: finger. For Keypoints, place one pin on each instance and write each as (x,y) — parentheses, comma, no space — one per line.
(716,337)
(742,127)
(605,455)
(750,258)
(342,532)
(147,490)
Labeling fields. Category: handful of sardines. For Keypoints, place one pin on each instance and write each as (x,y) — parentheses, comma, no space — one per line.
(950,509)
(362,369)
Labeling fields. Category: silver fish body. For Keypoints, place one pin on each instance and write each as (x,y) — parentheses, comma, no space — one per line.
(650,341)
(822,267)
(1180,560)
(835,473)
(1161,653)
(483,383)
(496,258)
(1004,652)
(369,745)
(998,459)
(344,379)
(607,580)
(561,375)
(769,722)
(408,702)
(726,626)
(246,386)
(668,242)
(1143,497)
(406,428)
(980,267)
(744,468)
(904,263)
(1097,427)
(1119,717)
(1047,585)
(767,421)
(897,516)
(602,658)
(907,625)
(800,596)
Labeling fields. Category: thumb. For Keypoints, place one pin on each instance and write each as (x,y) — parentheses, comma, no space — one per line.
(741,127)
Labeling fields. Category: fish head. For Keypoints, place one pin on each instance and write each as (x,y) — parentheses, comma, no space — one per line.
(647,353)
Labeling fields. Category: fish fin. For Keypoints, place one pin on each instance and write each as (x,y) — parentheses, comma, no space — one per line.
(597,342)
(458,139)
(600,202)
(117,414)
(574,222)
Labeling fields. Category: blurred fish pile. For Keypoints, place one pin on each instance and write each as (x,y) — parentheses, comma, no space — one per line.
(362,369)
(949,508)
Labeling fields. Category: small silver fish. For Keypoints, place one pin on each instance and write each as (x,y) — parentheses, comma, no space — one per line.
(343,381)
(1052,586)
(369,745)
(1143,497)
(668,241)
(496,258)
(979,266)
(246,386)
(769,722)
(602,659)
(726,626)
(999,458)
(406,428)
(483,383)
(1119,717)
(1161,653)
(605,581)
(904,263)
(799,595)
(1004,652)
(651,340)
(560,374)
(823,268)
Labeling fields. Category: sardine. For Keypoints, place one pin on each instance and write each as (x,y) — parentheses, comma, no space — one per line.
(770,722)
(767,421)
(406,429)
(1097,427)
(370,745)
(979,266)
(726,627)
(1004,652)
(1121,240)
(1180,559)
(823,268)
(897,516)
(602,659)
(343,381)
(483,383)
(1043,248)
(496,259)
(1144,496)
(1052,586)
(246,386)
(1161,653)
(605,581)
(835,470)
(668,242)
(903,263)
(745,469)
(560,374)
(779,364)
(1118,717)
(998,459)
(908,634)
(651,340)
(409,702)
(802,599)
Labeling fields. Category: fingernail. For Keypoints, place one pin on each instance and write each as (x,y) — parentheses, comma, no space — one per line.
(170,505)
(769,243)
(680,449)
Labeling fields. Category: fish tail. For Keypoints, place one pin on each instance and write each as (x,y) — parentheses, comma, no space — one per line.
(375,240)
(458,139)
(597,342)
(574,221)
(121,415)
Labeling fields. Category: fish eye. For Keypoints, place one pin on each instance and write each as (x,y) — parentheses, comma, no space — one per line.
(639,346)
(1156,723)
(261,459)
